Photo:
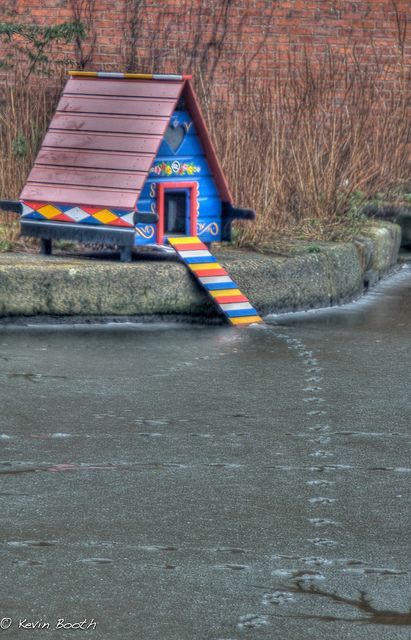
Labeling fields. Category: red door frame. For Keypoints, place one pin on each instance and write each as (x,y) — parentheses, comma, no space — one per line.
(174,186)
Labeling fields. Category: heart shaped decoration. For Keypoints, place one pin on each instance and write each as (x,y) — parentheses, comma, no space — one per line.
(174,136)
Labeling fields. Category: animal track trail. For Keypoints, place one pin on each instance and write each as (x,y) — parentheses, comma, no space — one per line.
(317,433)
(305,575)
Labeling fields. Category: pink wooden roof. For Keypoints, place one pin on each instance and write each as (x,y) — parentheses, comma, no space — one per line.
(104,138)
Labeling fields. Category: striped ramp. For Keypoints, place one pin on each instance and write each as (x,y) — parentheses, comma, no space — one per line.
(215,280)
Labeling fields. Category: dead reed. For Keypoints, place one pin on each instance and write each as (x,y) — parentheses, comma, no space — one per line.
(26,106)
(308,148)
(305,146)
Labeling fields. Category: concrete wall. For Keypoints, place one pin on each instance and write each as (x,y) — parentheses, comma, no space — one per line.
(33,285)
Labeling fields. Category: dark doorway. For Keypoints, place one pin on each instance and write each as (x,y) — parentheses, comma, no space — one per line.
(175,212)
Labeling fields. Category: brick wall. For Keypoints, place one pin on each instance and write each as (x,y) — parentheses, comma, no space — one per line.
(174,35)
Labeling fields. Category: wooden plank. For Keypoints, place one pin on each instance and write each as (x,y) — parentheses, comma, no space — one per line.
(109,124)
(187,240)
(95,159)
(210,272)
(108,105)
(187,247)
(209,280)
(101,141)
(98,87)
(206,266)
(225,292)
(197,253)
(117,198)
(247,320)
(226,299)
(236,306)
(87,177)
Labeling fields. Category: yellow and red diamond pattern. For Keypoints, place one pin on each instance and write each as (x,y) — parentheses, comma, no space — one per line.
(70,213)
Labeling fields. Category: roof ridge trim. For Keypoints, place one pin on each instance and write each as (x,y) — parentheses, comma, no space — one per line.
(132,76)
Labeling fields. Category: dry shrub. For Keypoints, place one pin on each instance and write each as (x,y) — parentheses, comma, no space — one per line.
(203,37)
(25,110)
(33,60)
(309,147)
(304,147)
(26,106)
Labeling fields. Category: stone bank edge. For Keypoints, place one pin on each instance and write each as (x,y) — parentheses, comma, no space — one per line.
(72,287)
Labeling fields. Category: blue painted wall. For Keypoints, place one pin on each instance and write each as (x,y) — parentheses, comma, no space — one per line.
(187,164)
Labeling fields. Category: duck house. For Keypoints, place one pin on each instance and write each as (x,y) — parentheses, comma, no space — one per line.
(127,161)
